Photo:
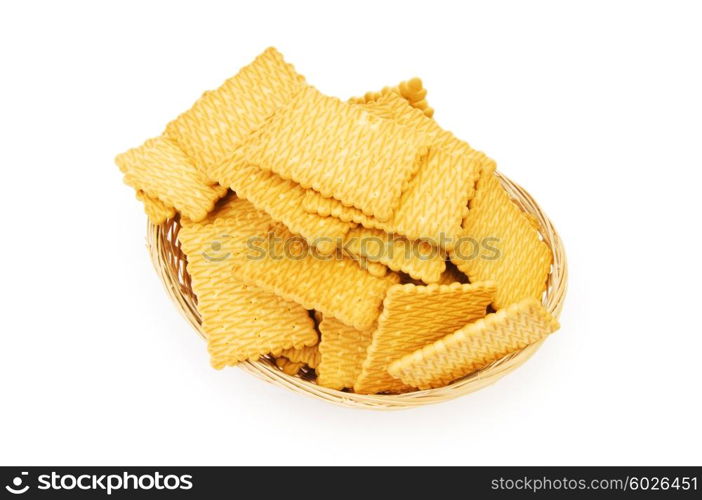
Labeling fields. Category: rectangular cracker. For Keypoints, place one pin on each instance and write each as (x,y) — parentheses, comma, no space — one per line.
(282,200)
(435,201)
(245,322)
(419,259)
(339,150)
(218,121)
(161,170)
(343,349)
(173,167)
(414,316)
(521,265)
(241,321)
(265,253)
(475,346)
(157,211)
(334,286)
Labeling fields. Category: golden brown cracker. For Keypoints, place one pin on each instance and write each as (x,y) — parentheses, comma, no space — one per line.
(521,261)
(157,211)
(435,202)
(343,349)
(240,321)
(419,259)
(161,170)
(218,121)
(233,215)
(282,200)
(446,177)
(414,316)
(475,345)
(245,322)
(265,253)
(339,150)
(335,286)
(173,167)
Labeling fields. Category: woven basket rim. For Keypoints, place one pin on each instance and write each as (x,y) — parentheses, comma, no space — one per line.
(169,263)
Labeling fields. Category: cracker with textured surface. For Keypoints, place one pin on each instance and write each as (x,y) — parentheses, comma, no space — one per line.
(233,215)
(414,316)
(218,121)
(475,346)
(524,261)
(241,321)
(339,150)
(265,253)
(308,355)
(335,286)
(173,167)
(449,174)
(343,349)
(157,211)
(419,259)
(446,177)
(161,170)
(282,200)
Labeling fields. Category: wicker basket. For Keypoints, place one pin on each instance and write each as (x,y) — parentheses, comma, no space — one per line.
(170,263)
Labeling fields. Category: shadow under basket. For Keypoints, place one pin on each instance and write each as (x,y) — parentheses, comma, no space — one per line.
(170,264)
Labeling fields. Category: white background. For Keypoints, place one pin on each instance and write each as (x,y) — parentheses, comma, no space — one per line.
(596,109)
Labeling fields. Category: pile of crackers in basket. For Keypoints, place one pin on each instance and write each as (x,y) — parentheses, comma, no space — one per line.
(355,242)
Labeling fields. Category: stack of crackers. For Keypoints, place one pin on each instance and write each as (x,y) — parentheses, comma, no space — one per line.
(355,241)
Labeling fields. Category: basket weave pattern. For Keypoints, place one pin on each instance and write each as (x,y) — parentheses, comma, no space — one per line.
(170,264)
